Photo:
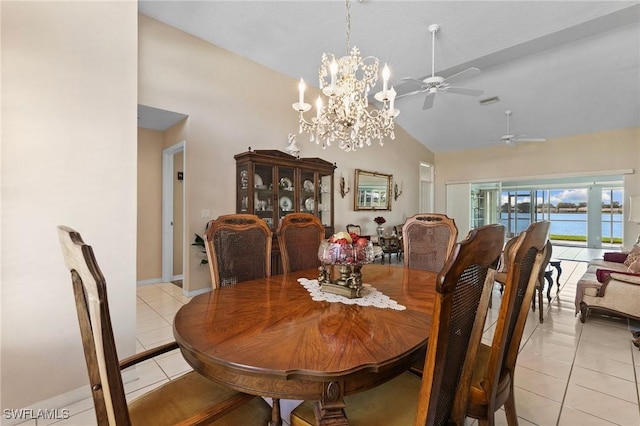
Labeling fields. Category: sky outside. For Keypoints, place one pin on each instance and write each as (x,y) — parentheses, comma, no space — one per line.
(575,196)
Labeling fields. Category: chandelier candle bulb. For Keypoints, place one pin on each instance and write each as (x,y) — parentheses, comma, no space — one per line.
(301,88)
(318,107)
(334,70)
(385,79)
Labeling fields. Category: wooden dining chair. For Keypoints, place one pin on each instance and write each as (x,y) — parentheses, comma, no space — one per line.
(238,248)
(440,397)
(299,237)
(540,282)
(428,239)
(501,272)
(493,375)
(189,399)
(351,228)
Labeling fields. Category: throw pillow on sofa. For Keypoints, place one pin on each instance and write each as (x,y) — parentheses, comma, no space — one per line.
(615,256)
(634,255)
(634,267)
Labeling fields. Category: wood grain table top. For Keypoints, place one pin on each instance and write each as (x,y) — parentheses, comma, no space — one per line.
(268,337)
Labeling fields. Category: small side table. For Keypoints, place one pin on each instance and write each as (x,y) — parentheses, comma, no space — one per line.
(390,245)
(548,275)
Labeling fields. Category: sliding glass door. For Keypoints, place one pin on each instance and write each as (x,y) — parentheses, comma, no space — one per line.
(586,216)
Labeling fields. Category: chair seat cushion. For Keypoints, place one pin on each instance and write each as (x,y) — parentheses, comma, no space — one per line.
(392,403)
(189,395)
(477,396)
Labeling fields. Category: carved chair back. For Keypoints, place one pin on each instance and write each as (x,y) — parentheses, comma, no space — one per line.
(354,228)
(299,237)
(428,239)
(238,249)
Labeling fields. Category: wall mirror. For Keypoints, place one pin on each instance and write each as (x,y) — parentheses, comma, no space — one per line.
(373,191)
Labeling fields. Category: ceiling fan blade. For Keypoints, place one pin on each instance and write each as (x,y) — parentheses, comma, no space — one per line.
(409,86)
(469,71)
(403,95)
(529,139)
(413,80)
(464,91)
(428,100)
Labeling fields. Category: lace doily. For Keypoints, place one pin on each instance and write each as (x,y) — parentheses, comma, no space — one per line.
(370,296)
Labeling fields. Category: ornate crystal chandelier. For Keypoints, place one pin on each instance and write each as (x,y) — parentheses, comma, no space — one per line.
(345,116)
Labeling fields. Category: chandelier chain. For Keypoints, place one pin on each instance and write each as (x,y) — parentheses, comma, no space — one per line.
(348,26)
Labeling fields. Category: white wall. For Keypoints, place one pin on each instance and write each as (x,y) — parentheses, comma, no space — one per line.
(69,78)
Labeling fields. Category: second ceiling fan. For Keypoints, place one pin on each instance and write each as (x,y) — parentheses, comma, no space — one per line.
(511,139)
(435,83)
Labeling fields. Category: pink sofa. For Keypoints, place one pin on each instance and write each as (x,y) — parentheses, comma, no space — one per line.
(609,286)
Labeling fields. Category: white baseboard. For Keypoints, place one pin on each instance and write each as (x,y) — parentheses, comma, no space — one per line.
(147,282)
(55,406)
(193,293)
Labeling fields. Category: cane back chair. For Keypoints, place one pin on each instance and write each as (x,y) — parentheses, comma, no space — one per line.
(299,237)
(493,375)
(428,239)
(439,398)
(541,280)
(190,399)
(238,248)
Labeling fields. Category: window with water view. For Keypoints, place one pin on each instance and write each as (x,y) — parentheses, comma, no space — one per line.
(590,217)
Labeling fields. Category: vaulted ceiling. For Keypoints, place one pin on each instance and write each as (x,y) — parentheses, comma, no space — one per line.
(562,67)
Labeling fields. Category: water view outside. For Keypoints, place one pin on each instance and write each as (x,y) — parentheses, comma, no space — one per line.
(567,224)
(566,210)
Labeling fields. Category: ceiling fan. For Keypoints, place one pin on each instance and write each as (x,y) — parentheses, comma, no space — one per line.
(435,83)
(511,139)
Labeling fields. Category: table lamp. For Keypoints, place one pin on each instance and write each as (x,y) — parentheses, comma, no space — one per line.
(634,212)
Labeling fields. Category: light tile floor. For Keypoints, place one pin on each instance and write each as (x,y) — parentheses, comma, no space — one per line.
(568,373)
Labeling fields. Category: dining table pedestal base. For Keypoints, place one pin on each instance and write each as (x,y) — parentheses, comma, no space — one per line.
(330,411)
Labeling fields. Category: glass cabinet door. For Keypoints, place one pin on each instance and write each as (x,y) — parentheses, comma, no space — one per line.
(262,202)
(324,195)
(308,197)
(242,201)
(285,196)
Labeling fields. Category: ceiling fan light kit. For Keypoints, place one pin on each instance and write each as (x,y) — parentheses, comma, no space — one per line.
(434,83)
(345,115)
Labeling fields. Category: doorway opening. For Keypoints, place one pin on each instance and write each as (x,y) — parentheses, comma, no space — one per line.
(426,187)
(173,206)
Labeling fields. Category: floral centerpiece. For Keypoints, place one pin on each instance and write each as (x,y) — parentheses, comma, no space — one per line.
(349,251)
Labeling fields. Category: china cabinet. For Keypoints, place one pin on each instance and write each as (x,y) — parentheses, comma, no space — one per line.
(272,184)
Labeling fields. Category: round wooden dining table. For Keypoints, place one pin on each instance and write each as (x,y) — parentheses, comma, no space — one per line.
(268,337)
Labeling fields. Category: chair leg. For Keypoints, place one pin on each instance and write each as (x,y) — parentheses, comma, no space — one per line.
(276,417)
(510,408)
(540,306)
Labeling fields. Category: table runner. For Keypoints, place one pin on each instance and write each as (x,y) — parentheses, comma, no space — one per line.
(370,296)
